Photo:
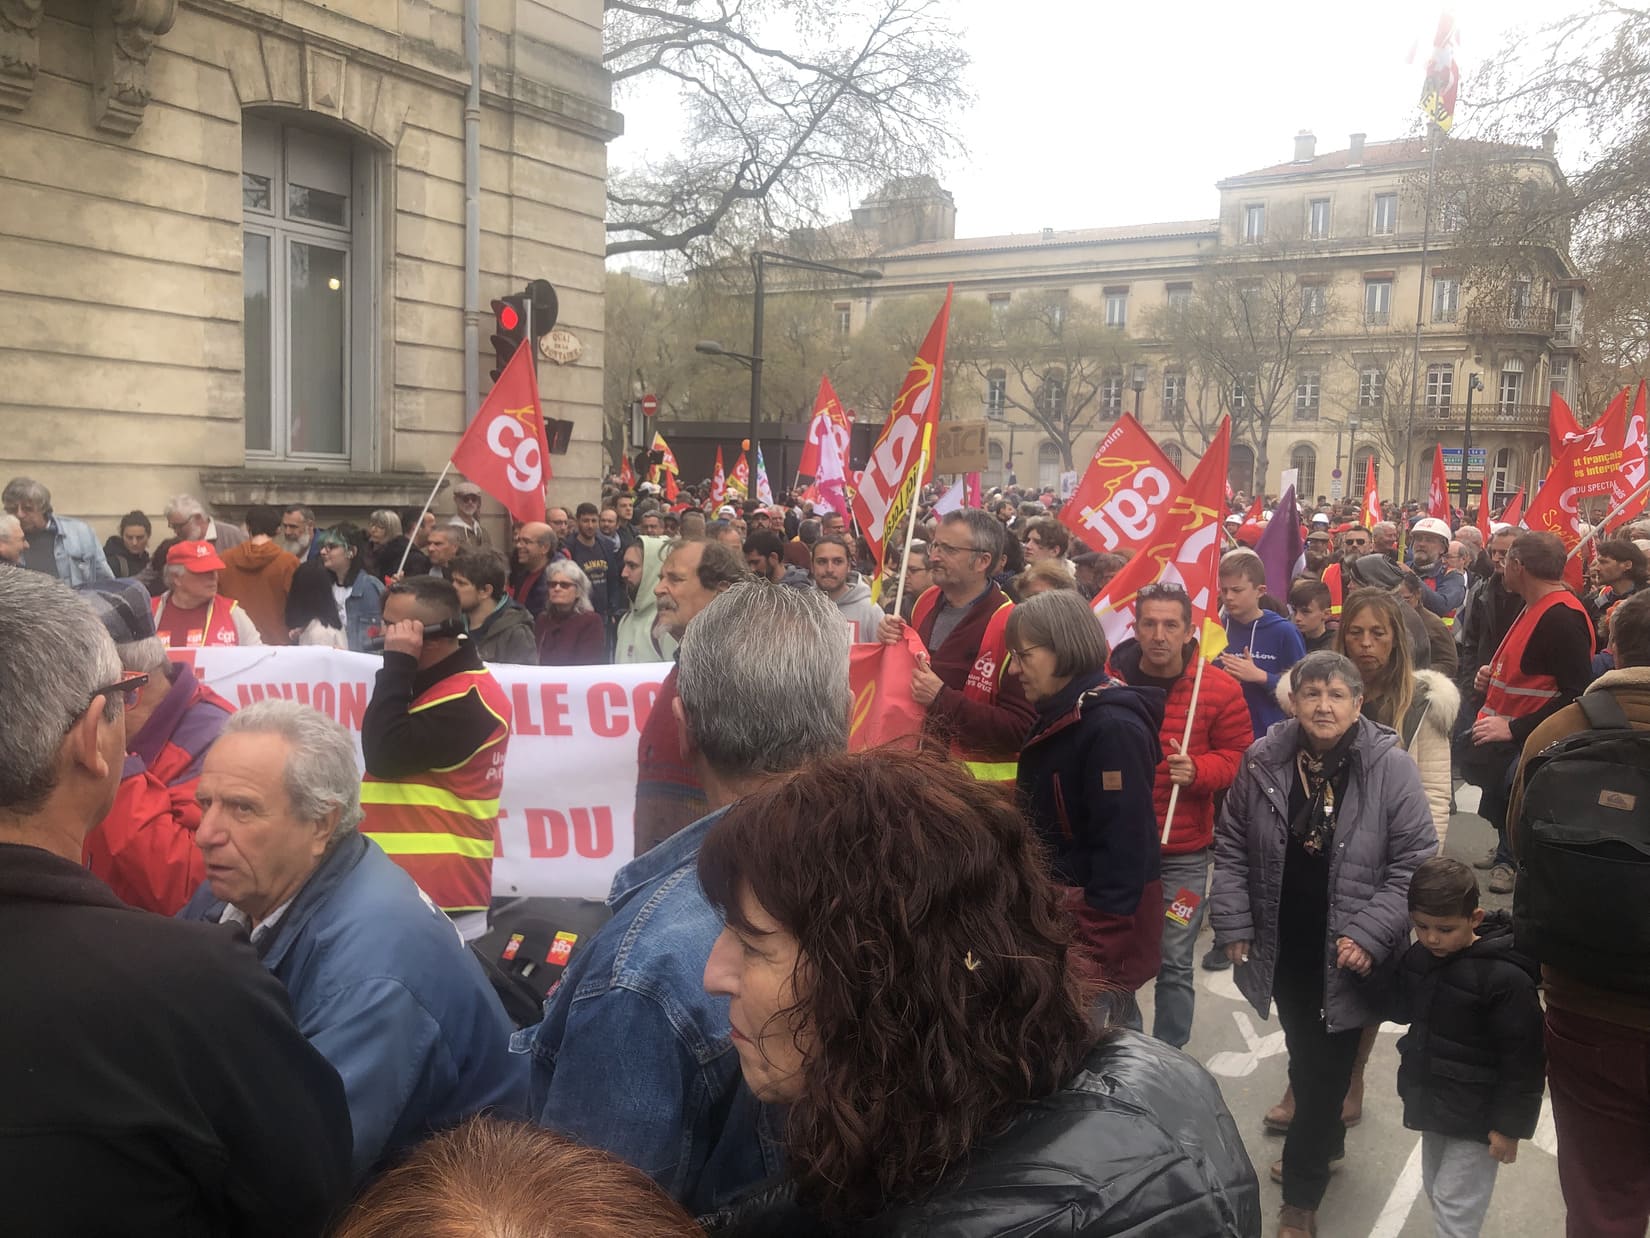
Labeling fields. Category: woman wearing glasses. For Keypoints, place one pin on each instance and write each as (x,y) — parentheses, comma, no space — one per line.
(1086,774)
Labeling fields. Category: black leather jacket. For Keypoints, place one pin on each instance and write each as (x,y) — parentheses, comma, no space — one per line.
(1138,1144)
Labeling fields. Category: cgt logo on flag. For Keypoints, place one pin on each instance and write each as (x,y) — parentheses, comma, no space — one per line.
(512,438)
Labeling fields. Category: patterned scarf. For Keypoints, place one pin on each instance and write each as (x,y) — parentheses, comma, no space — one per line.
(1323,777)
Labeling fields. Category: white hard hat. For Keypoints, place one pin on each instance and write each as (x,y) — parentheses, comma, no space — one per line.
(1432,525)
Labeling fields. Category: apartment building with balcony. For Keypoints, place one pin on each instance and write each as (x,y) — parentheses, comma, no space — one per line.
(1348,225)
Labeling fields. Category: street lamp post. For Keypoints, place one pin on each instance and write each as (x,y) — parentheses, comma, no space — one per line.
(1474,383)
(1352,453)
(759,260)
(1139,385)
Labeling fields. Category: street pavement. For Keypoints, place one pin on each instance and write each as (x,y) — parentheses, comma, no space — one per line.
(1376,1191)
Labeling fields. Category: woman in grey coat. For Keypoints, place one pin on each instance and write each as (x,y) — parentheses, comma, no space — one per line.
(1314,850)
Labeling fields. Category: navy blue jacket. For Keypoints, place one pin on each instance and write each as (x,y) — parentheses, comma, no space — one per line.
(1275,644)
(384,987)
(1086,775)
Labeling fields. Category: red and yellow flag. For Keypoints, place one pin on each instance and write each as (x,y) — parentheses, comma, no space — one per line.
(504,451)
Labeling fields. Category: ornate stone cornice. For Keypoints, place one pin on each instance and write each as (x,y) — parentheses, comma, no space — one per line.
(19,51)
(125,34)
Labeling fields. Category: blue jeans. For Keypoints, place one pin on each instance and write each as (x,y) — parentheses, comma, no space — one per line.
(1175,994)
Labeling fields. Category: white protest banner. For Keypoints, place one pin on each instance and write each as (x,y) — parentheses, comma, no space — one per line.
(566,817)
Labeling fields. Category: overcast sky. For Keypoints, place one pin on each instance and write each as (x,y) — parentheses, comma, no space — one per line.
(1098,112)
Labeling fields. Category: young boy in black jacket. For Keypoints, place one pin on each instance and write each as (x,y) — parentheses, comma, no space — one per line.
(1471,1068)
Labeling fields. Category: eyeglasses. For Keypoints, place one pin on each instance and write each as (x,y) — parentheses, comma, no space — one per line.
(561,584)
(127,686)
(1019,655)
(947,550)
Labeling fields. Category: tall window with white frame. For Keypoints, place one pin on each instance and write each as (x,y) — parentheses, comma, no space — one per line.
(1174,395)
(1558,378)
(1371,387)
(1048,466)
(1254,223)
(1446,298)
(1179,297)
(298,196)
(998,301)
(1385,219)
(1307,387)
(1111,394)
(844,312)
(1501,476)
(1314,305)
(1567,316)
(1173,452)
(1304,461)
(1512,385)
(996,395)
(1117,309)
(1377,302)
(1439,390)
(1051,396)
(1518,303)
(1317,219)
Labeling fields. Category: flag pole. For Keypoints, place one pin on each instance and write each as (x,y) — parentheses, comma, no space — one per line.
(412,533)
(911,523)
(1592,531)
(1191,712)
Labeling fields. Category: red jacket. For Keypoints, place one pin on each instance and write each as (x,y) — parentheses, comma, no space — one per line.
(145,848)
(981,712)
(1221,732)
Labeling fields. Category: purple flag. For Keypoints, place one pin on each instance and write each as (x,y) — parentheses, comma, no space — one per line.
(1280,547)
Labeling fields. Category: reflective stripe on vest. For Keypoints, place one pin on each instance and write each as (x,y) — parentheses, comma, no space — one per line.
(1512,693)
(993,771)
(985,767)
(441,825)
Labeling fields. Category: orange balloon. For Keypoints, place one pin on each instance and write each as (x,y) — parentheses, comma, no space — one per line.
(744,444)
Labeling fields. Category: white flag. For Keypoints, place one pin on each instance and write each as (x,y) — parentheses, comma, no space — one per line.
(951,500)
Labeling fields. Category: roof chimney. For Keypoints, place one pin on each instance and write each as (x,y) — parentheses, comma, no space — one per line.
(1549,141)
(1048,234)
(1305,142)
(1355,152)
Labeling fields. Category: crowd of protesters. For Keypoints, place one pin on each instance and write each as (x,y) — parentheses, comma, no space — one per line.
(892,991)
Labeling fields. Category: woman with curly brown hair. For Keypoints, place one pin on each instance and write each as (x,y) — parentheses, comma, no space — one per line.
(898,968)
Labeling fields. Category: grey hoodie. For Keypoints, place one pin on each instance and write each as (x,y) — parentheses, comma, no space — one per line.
(637,641)
(859,610)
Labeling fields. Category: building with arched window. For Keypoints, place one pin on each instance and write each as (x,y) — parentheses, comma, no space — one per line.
(238,235)
(1348,223)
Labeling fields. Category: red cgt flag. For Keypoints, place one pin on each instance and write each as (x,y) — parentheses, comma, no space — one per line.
(1484,509)
(899,445)
(1185,550)
(1635,464)
(504,451)
(884,711)
(1562,426)
(1124,490)
(1438,492)
(1513,512)
(829,418)
(718,479)
(1372,497)
(1556,509)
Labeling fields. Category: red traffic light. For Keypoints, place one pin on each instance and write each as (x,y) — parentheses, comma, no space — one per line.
(508,319)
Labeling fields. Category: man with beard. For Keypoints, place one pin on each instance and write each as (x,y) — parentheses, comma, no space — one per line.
(1337,575)
(668,793)
(1319,554)
(1447,587)
(297,532)
(1385,535)
(835,578)
(638,636)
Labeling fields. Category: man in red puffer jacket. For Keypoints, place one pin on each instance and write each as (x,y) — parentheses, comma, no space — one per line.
(1163,654)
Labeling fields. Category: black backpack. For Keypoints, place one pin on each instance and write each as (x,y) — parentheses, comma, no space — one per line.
(1583,841)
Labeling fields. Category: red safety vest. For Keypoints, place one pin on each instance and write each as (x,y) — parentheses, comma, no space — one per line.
(985,677)
(218,629)
(1512,693)
(442,825)
(1332,578)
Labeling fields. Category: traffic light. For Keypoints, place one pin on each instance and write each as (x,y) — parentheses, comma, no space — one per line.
(509,330)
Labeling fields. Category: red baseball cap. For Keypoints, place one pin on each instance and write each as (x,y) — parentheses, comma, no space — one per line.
(195,556)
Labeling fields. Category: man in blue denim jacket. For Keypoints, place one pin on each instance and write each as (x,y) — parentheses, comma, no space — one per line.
(58,545)
(633,1056)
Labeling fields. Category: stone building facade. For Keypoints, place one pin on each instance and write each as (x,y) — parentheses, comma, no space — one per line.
(1351,221)
(232,241)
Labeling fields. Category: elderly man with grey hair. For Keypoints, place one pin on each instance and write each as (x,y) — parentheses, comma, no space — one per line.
(154,1081)
(633,1056)
(57,545)
(13,544)
(379,980)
